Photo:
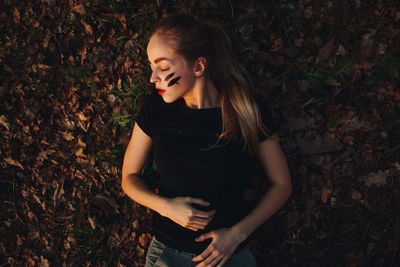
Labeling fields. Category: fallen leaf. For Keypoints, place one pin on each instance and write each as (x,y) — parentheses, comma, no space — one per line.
(79,9)
(13,162)
(326,50)
(16,16)
(145,239)
(92,222)
(3,121)
(326,193)
(67,136)
(79,153)
(355,195)
(332,83)
(44,262)
(88,28)
(378,179)
(43,66)
(308,12)
(30,262)
(81,143)
(44,142)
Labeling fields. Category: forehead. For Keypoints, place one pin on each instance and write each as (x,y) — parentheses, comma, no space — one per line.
(158,50)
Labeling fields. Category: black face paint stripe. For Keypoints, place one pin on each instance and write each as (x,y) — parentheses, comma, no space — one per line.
(169,76)
(173,81)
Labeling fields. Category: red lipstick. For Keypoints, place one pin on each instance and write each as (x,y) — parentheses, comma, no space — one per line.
(160,91)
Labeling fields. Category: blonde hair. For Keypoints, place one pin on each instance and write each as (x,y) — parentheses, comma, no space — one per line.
(192,40)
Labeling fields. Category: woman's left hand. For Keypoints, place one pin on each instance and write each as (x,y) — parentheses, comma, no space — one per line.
(220,249)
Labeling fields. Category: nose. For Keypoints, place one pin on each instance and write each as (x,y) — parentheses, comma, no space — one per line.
(154,77)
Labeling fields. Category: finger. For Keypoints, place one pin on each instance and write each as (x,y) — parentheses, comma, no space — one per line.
(197,226)
(222,263)
(192,228)
(204,254)
(204,214)
(204,237)
(198,201)
(213,259)
(197,220)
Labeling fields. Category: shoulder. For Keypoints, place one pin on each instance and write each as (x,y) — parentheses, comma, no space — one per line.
(149,111)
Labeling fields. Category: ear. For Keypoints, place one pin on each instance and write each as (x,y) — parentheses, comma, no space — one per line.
(200,66)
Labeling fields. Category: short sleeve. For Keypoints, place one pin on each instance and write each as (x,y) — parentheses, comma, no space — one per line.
(147,113)
(267,119)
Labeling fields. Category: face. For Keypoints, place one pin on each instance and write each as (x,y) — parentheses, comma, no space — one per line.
(170,73)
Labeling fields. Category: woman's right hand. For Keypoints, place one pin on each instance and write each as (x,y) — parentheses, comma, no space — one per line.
(181,211)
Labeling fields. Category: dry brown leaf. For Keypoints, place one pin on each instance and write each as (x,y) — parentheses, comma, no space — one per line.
(83,53)
(3,121)
(81,116)
(44,262)
(43,66)
(92,222)
(88,28)
(19,241)
(44,142)
(79,153)
(326,50)
(83,126)
(326,193)
(30,262)
(122,19)
(397,16)
(13,162)
(46,40)
(308,12)
(81,143)
(68,136)
(79,9)
(355,195)
(144,240)
(16,16)
(332,83)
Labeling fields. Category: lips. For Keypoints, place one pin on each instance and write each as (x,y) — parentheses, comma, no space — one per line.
(160,91)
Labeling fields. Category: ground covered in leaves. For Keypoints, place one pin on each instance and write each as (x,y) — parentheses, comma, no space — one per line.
(72,78)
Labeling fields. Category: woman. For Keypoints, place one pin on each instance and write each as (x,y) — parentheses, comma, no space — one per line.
(203,126)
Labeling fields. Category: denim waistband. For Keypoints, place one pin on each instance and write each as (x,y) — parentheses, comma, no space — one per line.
(175,251)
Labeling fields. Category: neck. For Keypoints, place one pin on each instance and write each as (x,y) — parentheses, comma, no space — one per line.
(203,95)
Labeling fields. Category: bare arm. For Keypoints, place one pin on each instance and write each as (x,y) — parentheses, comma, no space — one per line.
(132,184)
(275,165)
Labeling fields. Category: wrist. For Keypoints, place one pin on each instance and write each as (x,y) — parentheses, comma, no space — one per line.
(239,232)
(163,205)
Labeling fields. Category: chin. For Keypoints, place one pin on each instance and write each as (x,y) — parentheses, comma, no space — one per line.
(168,99)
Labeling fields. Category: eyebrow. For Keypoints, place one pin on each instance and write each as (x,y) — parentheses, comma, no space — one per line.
(159,59)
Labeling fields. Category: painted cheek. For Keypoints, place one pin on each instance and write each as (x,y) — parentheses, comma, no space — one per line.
(173,81)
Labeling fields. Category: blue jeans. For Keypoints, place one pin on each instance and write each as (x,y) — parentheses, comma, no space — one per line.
(161,255)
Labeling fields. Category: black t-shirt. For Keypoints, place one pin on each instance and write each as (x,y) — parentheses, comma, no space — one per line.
(180,137)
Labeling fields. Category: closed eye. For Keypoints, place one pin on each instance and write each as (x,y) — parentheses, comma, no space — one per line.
(164,69)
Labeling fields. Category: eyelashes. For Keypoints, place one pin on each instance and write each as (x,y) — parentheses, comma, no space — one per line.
(173,81)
